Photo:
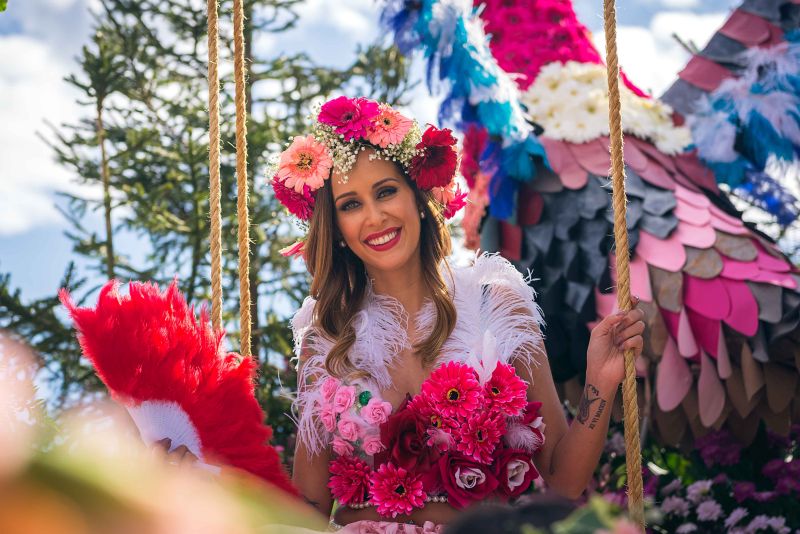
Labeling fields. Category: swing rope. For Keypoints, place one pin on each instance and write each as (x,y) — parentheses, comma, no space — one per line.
(242,215)
(633,457)
(213,167)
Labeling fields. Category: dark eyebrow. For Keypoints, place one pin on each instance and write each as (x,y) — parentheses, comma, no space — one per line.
(374,186)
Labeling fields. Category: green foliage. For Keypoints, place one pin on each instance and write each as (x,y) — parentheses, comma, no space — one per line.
(142,78)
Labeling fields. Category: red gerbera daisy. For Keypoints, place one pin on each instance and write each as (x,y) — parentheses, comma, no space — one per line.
(506,391)
(349,480)
(395,491)
(453,390)
(301,205)
(479,436)
(435,164)
(351,117)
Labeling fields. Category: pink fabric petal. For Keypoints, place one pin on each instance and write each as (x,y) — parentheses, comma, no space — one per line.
(632,155)
(687,344)
(673,378)
(743,315)
(698,173)
(747,28)
(692,214)
(652,153)
(710,392)
(706,332)
(706,297)
(725,226)
(667,254)
(592,156)
(701,237)
(723,358)
(572,175)
(768,262)
(654,174)
(605,303)
(738,270)
(704,73)
(697,200)
(778,279)
(640,279)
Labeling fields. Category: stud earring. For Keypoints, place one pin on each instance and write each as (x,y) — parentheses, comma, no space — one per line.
(342,243)
(421,214)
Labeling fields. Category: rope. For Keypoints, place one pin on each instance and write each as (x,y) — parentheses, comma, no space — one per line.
(242,215)
(213,167)
(633,457)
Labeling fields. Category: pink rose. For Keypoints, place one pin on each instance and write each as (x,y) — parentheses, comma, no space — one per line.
(341,447)
(349,428)
(373,444)
(344,398)
(328,417)
(329,387)
(376,411)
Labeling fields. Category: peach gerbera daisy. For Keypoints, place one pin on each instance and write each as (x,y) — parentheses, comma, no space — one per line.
(305,163)
(388,128)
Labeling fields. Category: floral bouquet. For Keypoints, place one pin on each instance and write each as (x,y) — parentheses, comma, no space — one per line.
(468,436)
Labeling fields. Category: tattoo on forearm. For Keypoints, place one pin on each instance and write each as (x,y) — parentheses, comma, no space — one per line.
(590,395)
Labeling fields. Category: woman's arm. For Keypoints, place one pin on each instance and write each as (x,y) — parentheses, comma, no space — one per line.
(310,475)
(571,452)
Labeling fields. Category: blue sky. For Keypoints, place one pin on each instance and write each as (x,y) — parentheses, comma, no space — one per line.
(39,40)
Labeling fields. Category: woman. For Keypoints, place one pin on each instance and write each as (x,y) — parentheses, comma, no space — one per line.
(422,389)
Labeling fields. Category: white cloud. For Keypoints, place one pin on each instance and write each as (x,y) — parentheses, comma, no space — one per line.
(650,56)
(33,91)
(680,4)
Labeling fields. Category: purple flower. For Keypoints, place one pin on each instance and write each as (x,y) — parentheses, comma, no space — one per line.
(672,487)
(697,492)
(773,468)
(743,491)
(737,515)
(758,522)
(765,496)
(675,505)
(719,448)
(686,528)
(709,510)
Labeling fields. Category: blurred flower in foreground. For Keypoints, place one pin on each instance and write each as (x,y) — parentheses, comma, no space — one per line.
(96,477)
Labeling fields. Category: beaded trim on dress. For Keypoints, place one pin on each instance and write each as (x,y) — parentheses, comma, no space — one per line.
(489,295)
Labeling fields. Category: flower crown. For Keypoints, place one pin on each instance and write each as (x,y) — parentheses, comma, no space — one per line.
(342,128)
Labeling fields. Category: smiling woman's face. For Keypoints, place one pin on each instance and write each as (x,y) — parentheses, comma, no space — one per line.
(377,214)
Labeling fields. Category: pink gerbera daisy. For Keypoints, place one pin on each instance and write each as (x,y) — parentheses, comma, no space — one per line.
(506,391)
(395,491)
(349,479)
(388,128)
(300,204)
(350,117)
(453,390)
(305,163)
(479,436)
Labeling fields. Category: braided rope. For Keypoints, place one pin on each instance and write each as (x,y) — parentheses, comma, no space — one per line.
(213,167)
(242,215)
(633,457)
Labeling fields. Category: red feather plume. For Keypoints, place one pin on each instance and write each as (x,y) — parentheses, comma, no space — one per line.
(149,346)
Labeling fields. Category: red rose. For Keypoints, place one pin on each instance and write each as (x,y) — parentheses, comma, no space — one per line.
(515,471)
(405,434)
(435,164)
(465,481)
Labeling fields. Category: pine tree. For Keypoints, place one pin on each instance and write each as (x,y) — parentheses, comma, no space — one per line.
(144,144)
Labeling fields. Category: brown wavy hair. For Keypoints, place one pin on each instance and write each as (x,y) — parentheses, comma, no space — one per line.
(339,280)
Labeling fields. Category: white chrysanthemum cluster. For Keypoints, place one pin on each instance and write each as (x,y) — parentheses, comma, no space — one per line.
(570,101)
(345,152)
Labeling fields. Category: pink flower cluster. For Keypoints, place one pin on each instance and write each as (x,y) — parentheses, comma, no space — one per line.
(459,437)
(526,36)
